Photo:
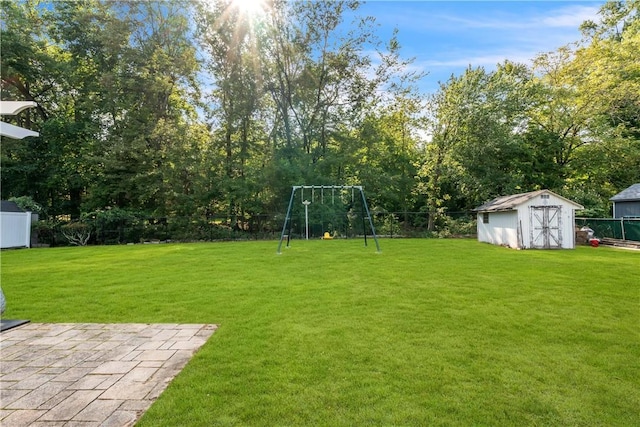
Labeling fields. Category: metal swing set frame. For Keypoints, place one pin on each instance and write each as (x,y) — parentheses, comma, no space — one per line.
(366,215)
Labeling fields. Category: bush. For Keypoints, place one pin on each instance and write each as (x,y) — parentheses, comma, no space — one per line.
(76,233)
(461,226)
(115,225)
(27,204)
(49,232)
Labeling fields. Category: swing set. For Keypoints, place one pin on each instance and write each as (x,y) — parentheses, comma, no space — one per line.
(338,196)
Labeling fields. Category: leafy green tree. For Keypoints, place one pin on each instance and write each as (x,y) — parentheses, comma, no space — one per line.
(384,157)
(477,150)
(230,38)
(608,58)
(36,66)
(151,88)
(585,125)
(315,75)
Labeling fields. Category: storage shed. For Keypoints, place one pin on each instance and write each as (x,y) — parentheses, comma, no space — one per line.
(15,226)
(536,220)
(626,204)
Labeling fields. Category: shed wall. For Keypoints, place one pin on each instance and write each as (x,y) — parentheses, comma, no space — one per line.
(501,229)
(567,219)
(15,229)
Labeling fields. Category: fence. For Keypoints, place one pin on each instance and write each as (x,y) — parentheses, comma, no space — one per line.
(624,228)
(260,226)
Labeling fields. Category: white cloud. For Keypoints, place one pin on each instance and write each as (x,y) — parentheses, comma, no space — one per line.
(571,16)
(564,17)
(447,37)
(477,60)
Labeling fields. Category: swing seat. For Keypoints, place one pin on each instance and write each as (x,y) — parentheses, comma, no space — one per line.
(327,236)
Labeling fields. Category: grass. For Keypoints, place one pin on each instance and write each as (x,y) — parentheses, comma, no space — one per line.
(428,332)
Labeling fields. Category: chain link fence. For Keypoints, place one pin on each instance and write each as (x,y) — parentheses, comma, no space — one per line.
(622,228)
(131,229)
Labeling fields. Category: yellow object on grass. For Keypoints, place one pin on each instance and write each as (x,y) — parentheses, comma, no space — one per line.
(327,236)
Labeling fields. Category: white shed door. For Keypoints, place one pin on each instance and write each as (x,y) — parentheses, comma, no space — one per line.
(546,227)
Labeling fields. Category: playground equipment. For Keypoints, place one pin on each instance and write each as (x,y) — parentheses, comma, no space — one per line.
(322,194)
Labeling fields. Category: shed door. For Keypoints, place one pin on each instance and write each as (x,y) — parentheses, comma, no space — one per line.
(546,227)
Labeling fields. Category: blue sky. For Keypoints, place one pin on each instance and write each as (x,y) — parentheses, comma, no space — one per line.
(446,36)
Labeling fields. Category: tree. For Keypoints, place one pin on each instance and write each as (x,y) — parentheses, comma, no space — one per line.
(591,119)
(115,86)
(150,90)
(229,38)
(38,66)
(315,76)
(477,151)
(609,56)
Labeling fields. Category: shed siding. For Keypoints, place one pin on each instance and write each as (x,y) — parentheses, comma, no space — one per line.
(501,229)
(568,219)
(514,228)
(15,229)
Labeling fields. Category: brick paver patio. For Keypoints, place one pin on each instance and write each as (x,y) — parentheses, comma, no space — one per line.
(88,374)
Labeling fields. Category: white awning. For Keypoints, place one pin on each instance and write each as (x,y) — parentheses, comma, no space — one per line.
(15,132)
(11,108)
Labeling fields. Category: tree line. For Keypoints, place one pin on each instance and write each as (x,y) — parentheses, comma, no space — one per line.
(174,110)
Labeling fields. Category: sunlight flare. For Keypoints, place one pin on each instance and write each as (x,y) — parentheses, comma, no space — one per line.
(250,7)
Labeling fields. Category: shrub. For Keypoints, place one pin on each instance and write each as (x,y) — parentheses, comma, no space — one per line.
(27,204)
(48,232)
(76,233)
(461,226)
(115,225)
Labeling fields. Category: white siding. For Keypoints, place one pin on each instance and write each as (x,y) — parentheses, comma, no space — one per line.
(502,229)
(525,224)
(567,218)
(513,228)
(15,229)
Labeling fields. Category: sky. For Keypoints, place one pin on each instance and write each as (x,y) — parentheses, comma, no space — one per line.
(445,37)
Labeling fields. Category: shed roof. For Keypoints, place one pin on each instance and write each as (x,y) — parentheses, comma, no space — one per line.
(7,206)
(628,195)
(510,203)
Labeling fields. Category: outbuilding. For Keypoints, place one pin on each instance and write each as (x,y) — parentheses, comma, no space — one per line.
(626,204)
(536,220)
(15,226)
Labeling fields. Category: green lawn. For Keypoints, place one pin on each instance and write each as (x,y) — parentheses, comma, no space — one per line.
(428,332)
